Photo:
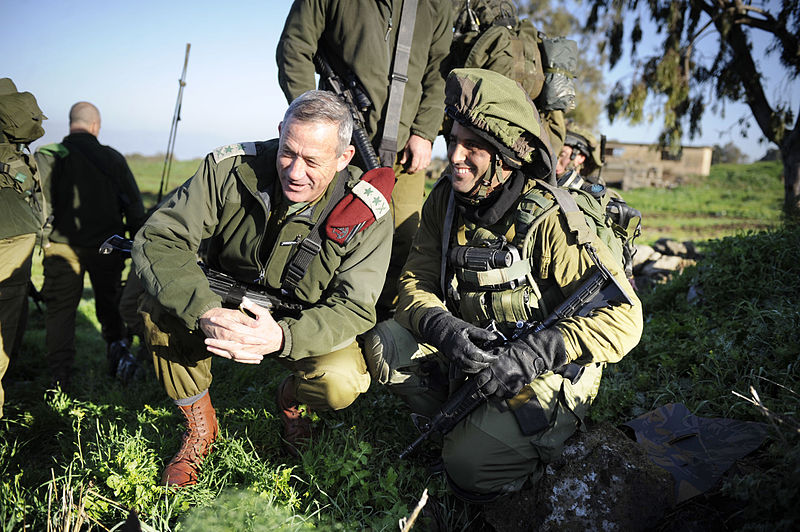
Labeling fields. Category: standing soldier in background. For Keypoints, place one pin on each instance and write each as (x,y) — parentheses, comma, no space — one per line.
(494,199)
(361,37)
(93,195)
(21,207)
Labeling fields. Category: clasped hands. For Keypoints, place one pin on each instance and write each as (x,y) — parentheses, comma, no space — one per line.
(501,370)
(234,335)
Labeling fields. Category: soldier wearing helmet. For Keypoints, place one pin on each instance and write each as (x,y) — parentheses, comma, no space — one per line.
(579,158)
(454,312)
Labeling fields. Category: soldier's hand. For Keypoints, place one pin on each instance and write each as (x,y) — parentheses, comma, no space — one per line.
(416,154)
(235,335)
(463,343)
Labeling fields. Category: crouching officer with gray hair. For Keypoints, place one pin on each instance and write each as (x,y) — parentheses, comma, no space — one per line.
(290,215)
(495,252)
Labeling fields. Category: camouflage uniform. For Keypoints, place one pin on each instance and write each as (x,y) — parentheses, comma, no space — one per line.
(20,203)
(495,450)
(360,35)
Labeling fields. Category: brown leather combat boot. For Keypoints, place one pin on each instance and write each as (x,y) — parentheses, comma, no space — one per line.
(296,424)
(201,422)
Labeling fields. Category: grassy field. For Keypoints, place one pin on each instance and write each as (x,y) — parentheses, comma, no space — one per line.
(88,457)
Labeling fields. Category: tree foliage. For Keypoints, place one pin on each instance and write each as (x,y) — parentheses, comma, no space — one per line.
(682,78)
(729,153)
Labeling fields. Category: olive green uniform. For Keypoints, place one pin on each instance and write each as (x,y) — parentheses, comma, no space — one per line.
(235,204)
(93,195)
(488,452)
(500,445)
(22,207)
(360,36)
(20,222)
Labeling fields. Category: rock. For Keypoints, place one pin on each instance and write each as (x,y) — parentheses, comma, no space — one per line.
(665,266)
(666,246)
(642,255)
(604,481)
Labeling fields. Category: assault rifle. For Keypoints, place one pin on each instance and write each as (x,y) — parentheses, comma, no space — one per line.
(599,290)
(229,289)
(352,93)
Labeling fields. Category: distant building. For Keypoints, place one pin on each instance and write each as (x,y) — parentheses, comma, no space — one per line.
(632,165)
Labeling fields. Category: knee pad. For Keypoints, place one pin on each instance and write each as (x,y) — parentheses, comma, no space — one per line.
(387,346)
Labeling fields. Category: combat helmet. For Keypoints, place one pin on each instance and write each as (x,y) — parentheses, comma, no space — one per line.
(581,139)
(498,110)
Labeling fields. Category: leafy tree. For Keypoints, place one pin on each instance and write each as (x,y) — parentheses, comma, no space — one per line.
(682,78)
(730,153)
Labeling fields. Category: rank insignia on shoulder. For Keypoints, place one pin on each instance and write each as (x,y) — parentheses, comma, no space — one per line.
(232,150)
(367,201)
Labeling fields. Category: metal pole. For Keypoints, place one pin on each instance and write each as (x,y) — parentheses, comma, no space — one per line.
(173,130)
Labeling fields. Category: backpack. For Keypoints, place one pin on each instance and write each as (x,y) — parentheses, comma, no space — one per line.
(489,35)
(20,123)
(20,115)
(616,223)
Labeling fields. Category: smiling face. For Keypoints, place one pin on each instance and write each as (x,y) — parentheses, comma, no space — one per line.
(470,157)
(307,160)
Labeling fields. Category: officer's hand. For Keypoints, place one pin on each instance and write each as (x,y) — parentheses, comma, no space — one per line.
(463,343)
(521,361)
(416,155)
(235,335)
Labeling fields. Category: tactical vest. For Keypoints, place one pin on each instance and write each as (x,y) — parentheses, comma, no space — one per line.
(513,293)
(18,173)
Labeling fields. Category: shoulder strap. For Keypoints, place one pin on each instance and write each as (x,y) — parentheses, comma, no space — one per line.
(446,229)
(402,53)
(575,219)
(311,245)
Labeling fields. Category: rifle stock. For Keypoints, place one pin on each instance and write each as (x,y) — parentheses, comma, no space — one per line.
(228,288)
(598,290)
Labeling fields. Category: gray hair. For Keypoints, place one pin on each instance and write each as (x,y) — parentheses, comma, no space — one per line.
(83,113)
(322,106)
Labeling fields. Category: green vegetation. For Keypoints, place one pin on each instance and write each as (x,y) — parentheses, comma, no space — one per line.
(102,446)
(733,199)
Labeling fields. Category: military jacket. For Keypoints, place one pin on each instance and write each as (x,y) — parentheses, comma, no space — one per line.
(556,265)
(91,191)
(361,34)
(20,193)
(234,204)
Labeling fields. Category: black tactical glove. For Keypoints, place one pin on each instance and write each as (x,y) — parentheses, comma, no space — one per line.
(458,340)
(520,361)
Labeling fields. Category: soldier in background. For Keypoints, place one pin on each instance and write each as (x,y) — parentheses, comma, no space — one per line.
(579,158)
(360,36)
(93,195)
(22,212)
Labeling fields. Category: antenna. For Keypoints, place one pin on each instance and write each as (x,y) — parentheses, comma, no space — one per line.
(173,130)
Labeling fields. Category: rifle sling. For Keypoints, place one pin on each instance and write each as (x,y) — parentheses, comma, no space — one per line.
(311,245)
(402,53)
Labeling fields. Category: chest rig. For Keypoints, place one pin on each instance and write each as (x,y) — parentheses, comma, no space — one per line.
(493,276)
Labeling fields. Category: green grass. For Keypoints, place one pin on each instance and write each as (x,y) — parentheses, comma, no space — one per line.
(102,446)
(732,200)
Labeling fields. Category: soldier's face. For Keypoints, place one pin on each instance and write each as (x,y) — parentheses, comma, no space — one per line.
(470,157)
(564,159)
(307,160)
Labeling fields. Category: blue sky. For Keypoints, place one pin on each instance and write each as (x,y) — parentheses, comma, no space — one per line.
(126,58)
